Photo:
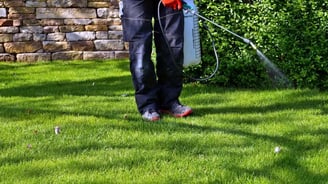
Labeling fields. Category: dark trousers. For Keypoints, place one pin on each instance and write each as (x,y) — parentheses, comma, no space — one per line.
(156,86)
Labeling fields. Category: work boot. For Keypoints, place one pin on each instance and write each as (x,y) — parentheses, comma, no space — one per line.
(151,115)
(178,110)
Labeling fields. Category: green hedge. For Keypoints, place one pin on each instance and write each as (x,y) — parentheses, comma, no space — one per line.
(292,34)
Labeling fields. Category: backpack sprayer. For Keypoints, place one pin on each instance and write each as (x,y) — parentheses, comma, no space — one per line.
(192,45)
(192,48)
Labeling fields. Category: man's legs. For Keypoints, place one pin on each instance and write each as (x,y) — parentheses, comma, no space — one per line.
(169,64)
(137,26)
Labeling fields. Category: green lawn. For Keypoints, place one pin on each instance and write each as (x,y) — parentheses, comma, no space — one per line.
(230,138)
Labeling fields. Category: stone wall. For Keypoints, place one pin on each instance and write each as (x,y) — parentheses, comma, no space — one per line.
(46,30)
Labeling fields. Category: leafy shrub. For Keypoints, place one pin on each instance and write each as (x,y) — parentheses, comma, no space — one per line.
(292,34)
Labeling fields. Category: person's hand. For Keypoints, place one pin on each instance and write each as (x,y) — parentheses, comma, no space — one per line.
(174,4)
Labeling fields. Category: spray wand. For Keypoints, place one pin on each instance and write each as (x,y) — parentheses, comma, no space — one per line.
(247,41)
(271,67)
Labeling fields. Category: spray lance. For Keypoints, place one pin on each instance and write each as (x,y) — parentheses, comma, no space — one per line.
(190,10)
(192,53)
(277,75)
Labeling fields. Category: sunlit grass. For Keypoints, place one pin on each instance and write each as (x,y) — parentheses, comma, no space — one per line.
(230,138)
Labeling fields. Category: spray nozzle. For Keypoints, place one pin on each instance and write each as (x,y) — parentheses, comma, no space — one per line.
(253,45)
(248,42)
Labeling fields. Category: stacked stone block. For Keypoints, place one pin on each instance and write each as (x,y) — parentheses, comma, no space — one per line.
(46,30)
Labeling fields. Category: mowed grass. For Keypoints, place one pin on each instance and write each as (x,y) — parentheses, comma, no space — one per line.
(230,138)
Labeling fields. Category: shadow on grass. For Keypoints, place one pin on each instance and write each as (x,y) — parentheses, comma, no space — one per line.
(290,160)
(277,107)
(107,86)
(295,100)
(102,84)
(42,96)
